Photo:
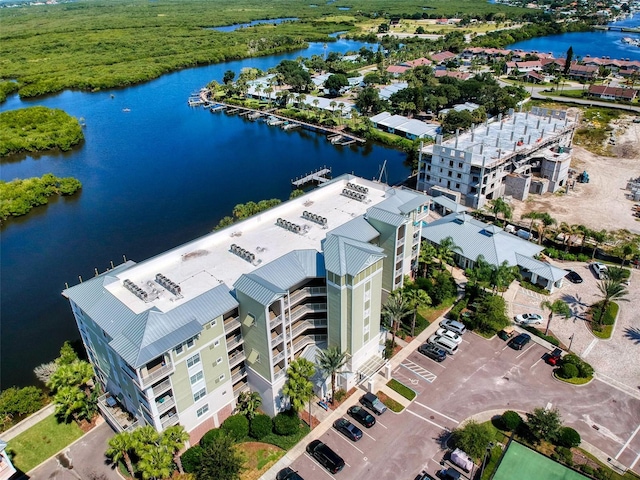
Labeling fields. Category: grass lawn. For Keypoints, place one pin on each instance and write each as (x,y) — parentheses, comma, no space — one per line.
(390,402)
(259,458)
(402,389)
(44,439)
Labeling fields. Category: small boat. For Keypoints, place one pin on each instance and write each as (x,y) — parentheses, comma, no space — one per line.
(126,110)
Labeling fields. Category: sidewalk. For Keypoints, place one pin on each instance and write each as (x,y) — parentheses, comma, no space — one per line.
(28,422)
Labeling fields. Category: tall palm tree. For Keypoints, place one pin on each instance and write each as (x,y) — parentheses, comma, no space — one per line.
(547,221)
(248,403)
(586,233)
(446,250)
(502,275)
(298,386)
(557,307)
(499,205)
(610,290)
(331,361)
(427,253)
(416,297)
(120,447)
(143,437)
(155,462)
(174,438)
(568,231)
(394,310)
(533,216)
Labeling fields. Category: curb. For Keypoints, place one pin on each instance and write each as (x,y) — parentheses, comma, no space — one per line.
(558,379)
(28,422)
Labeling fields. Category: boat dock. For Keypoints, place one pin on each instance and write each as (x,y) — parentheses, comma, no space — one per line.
(340,139)
(322,175)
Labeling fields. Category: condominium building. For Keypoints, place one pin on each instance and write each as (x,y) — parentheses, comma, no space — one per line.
(516,154)
(176,338)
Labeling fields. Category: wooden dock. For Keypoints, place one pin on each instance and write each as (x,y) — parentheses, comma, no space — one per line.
(322,175)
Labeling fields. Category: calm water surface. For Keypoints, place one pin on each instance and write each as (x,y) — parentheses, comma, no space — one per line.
(154,177)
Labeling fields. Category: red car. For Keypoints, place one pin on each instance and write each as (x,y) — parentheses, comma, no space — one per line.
(554,357)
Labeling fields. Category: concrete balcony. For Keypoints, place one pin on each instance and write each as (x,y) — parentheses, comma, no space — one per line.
(274,320)
(236,359)
(279,374)
(169,420)
(165,403)
(156,373)
(303,310)
(306,292)
(277,356)
(115,415)
(399,257)
(161,387)
(276,340)
(400,242)
(238,375)
(304,325)
(239,388)
(305,340)
(234,342)
(231,324)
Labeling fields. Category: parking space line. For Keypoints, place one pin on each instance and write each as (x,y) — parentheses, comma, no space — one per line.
(381,424)
(369,436)
(419,370)
(435,411)
(318,463)
(350,443)
(427,420)
(525,351)
(628,442)
(632,466)
(506,345)
(537,361)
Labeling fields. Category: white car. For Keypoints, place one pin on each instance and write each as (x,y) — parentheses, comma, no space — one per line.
(529,319)
(600,270)
(443,332)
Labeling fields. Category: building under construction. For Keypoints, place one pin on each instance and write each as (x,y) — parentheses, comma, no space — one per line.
(516,154)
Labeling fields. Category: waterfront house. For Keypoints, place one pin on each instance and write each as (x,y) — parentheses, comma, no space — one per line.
(407,127)
(612,93)
(442,57)
(176,338)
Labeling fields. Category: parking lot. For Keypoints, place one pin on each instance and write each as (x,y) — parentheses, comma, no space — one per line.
(484,376)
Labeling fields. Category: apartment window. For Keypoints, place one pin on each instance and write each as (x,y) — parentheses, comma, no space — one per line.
(428,178)
(191,342)
(216,343)
(460,165)
(219,360)
(221,377)
(459,175)
(451,163)
(191,361)
(178,349)
(202,410)
(196,377)
(450,173)
(457,185)
(199,394)
(428,168)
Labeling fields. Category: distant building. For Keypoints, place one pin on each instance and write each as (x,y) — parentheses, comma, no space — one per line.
(175,339)
(406,127)
(472,167)
(443,57)
(7,470)
(612,93)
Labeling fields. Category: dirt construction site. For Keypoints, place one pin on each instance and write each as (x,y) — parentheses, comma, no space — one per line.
(602,203)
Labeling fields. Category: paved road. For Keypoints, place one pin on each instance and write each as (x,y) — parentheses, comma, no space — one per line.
(85,457)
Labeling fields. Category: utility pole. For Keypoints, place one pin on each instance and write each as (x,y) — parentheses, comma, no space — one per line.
(571,341)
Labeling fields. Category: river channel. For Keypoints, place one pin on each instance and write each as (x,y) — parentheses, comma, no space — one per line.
(153,177)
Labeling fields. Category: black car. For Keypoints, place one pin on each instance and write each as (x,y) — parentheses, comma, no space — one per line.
(362,416)
(288,474)
(348,429)
(433,352)
(325,456)
(520,341)
(573,276)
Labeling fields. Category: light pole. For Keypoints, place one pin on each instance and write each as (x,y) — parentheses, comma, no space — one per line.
(571,341)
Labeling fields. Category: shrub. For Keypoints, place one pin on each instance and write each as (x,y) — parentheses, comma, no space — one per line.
(565,455)
(191,458)
(20,401)
(568,370)
(340,394)
(549,338)
(584,258)
(568,437)
(286,423)
(585,370)
(454,313)
(586,469)
(209,437)
(260,426)
(510,420)
(237,426)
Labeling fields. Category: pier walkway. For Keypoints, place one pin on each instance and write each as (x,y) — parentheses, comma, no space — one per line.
(321,175)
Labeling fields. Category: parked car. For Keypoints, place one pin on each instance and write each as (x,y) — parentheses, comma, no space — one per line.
(573,276)
(424,476)
(348,429)
(325,456)
(529,319)
(449,474)
(599,270)
(519,342)
(444,343)
(373,403)
(362,416)
(506,334)
(433,352)
(451,335)
(454,326)
(554,357)
(288,474)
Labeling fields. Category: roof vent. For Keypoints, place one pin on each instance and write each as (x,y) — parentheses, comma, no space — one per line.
(171,286)
(287,225)
(136,290)
(314,218)
(242,253)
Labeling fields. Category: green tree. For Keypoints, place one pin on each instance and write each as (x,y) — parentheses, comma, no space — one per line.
(174,438)
(500,206)
(298,386)
(220,460)
(121,446)
(20,401)
(491,314)
(445,251)
(228,77)
(249,403)
(394,310)
(502,275)
(70,402)
(331,361)
(296,193)
(567,62)
(473,438)
(77,373)
(416,298)
(428,253)
(67,354)
(610,290)
(544,424)
(533,216)
(155,462)
(335,82)
(557,307)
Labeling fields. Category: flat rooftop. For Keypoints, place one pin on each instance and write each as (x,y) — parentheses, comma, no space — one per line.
(208,261)
(500,138)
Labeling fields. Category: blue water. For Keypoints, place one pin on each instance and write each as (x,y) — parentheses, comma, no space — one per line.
(596,44)
(153,178)
(275,21)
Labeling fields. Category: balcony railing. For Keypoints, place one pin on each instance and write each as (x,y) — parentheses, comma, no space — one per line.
(278,356)
(303,293)
(239,375)
(303,310)
(165,405)
(161,387)
(399,258)
(400,242)
(305,340)
(231,324)
(157,374)
(233,342)
(114,413)
(277,340)
(274,321)
(236,359)
(239,388)
(307,324)
(278,375)
(169,420)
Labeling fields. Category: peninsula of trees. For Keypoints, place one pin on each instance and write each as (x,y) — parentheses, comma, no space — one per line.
(37,129)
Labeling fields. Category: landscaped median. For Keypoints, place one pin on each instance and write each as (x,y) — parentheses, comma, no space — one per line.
(396,395)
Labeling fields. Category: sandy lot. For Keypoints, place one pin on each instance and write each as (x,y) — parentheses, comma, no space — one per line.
(601,203)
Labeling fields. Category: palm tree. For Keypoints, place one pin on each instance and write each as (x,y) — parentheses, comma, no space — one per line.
(610,290)
(427,253)
(331,361)
(416,298)
(298,386)
(446,250)
(556,307)
(568,231)
(394,310)
(547,221)
(120,447)
(70,401)
(586,233)
(533,216)
(174,438)
(248,403)
(155,462)
(499,205)
(502,275)
(143,437)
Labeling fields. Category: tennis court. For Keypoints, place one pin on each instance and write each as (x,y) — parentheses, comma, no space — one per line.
(525,464)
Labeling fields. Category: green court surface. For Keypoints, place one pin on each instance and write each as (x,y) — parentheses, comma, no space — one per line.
(525,464)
